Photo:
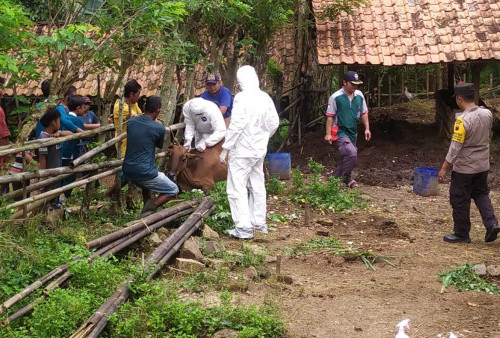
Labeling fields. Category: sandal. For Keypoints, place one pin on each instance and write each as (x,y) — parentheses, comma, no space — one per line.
(353,184)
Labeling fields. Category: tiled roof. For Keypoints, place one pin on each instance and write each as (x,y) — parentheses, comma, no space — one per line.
(407,32)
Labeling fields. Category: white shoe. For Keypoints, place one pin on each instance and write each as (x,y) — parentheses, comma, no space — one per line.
(241,233)
(261,228)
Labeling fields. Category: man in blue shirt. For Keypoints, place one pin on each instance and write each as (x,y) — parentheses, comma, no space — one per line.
(139,165)
(219,95)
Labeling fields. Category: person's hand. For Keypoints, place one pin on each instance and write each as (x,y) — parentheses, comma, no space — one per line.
(187,145)
(223,156)
(328,138)
(201,147)
(441,175)
(56,134)
(368,134)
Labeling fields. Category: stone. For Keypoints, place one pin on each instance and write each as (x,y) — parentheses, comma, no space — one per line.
(285,279)
(263,272)
(493,270)
(154,238)
(480,269)
(189,265)
(212,247)
(225,333)
(208,233)
(250,273)
(256,249)
(270,259)
(191,250)
(53,217)
(236,286)
(216,263)
(163,231)
(325,222)
(323,233)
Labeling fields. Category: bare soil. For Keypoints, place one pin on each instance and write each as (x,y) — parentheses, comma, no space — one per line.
(335,297)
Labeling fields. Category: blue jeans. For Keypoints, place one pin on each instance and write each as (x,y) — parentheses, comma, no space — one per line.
(160,184)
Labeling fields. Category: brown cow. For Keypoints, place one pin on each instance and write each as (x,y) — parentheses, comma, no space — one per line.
(196,170)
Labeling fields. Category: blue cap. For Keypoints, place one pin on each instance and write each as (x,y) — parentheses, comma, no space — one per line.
(212,78)
(353,77)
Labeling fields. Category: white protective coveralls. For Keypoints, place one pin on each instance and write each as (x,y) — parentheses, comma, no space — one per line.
(254,119)
(204,122)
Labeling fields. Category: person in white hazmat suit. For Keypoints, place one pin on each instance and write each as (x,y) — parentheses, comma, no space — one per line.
(254,119)
(204,122)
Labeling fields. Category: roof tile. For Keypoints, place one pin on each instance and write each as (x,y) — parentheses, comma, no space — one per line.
(411,31)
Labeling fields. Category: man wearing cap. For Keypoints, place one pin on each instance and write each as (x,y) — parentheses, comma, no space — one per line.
(219,95)
(469,154)
(345,108)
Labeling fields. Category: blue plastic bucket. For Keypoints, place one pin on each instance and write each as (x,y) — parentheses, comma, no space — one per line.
(425,181)
(279,165)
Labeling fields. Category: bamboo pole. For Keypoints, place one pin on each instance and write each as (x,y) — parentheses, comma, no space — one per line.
(35,144)
(389,80)
(58,282)
(58,171)
(21,312)
(141,224)
(96,323)
(32,287)
(35,186)
(62,189)
(97,150)
(143,233)
(174,127)
(290,106)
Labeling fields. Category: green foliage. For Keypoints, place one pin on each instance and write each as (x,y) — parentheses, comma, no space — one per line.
(274,186)
(14,34)
(277,218)
(64,310)
(463,278)
(274,71)
(279,136)
(333,9)
(323,195)
(161,313)
(220,219)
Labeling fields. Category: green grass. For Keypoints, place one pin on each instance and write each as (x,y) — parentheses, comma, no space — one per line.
(463,278)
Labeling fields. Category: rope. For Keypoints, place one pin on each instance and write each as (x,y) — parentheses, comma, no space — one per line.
(146,225)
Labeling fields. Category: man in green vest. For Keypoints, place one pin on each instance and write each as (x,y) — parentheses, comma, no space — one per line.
(345,108)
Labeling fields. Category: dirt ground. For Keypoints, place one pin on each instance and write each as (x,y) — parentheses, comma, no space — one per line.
(333,297)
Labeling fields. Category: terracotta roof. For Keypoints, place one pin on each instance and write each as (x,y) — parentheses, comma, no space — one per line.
(407,32)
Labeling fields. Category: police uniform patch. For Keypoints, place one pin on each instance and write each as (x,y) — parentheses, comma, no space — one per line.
(459,131)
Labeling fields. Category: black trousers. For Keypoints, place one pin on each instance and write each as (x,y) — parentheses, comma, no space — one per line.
(463,188)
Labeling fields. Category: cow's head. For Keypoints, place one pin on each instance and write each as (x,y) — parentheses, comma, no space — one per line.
(178,160)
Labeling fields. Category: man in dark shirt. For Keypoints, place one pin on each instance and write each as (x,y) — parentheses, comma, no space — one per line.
(139,165)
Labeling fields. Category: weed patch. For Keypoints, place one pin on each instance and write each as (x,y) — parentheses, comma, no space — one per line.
(463,278)
(334,246)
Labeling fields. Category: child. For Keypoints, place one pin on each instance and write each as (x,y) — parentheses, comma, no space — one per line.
(50,157)
(70,149)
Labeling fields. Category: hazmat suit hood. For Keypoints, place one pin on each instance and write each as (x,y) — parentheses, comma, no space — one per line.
(197,105)
(247,78)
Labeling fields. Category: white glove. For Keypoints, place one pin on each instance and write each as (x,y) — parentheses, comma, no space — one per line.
(187,145)
(201,146)
(223,156)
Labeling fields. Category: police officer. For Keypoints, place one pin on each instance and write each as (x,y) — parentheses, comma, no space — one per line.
(469,155)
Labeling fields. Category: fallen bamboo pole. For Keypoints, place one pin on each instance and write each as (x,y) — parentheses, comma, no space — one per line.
(32,287)
(143,233)
(97,150)
(96,323)
(62,189)
(35,144)
(21,312)
(141,224)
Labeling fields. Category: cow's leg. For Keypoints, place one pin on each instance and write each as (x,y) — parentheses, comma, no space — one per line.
(257,200)
(237,194)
